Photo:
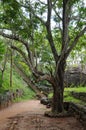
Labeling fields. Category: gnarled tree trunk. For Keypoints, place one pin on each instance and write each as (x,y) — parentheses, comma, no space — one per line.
(58,90)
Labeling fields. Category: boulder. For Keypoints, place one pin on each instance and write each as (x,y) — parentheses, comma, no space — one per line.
(74,76)
(46,101)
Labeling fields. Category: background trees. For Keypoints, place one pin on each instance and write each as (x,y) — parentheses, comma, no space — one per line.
(46,32)
(2,60)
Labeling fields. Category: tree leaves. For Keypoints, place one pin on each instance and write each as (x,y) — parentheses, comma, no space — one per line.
(25,19)
(2,49)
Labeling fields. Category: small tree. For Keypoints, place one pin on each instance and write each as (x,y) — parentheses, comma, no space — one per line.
(25,18)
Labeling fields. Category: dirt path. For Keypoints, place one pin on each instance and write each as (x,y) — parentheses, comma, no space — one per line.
(18,108)
(28,115)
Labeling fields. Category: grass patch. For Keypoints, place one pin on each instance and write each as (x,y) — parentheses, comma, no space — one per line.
(68,97)
(50,95)
(28,94)
(72,99)
(76,89)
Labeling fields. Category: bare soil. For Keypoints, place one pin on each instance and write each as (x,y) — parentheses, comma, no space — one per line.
(29,115)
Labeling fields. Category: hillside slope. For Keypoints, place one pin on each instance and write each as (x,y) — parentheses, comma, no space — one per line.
(17,83)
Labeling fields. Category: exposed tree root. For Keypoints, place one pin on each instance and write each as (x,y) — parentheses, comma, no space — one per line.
(55,114)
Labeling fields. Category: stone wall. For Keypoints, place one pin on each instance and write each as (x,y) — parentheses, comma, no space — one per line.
(80,112)
(79,95)
(7,97)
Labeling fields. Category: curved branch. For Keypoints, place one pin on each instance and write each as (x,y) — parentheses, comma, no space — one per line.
(23,55)
(28,80)
(45,77)
(39,75)
(36,73)
(17,38)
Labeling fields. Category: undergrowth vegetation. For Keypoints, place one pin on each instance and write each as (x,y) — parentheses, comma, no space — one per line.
(17,83)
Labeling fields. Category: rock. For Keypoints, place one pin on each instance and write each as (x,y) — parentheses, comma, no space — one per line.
(44,100)
(74,76)
(8,96)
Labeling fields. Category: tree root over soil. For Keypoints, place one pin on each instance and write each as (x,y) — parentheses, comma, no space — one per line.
(62,114)
(67,112)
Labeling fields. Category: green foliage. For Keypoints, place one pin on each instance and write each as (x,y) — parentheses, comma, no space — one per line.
(28,94)
(28,20)
(10,8)
(2,53)
(69,98)
(18,83)
(50,95)
(79,52)
(22,20)
(2,49)
(76,89)
(0,79)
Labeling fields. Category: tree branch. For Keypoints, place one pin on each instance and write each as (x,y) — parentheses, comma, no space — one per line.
(66,10)
(75,41)
(27,79)
(33,12)
(54,3)
(47,24)
(49,34)
(39,75)
(17,38)
(23,55)
(35,72)
(46,77)
(65,35)
(52,45)
(49,3)
(42,2)
(58,15)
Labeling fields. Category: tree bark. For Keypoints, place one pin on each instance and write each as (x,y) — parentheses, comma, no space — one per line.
(11,67)
(58,89)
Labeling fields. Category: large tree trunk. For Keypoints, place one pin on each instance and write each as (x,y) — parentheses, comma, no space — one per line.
(58,88)
(57,105)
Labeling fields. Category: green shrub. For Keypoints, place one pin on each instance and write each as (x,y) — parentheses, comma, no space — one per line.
(17,83)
